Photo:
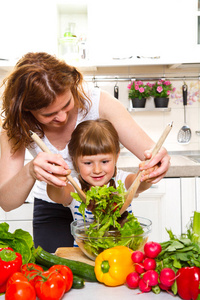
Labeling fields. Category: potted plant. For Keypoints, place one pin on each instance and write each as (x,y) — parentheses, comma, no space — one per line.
(161,90)
(138,92)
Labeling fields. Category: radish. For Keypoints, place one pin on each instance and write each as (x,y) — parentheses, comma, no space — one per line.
(150,277)
(152,249)
(149,264)
(132,280)
(137,256)
(167,277)
(144,287)
(163,287)
(139,268)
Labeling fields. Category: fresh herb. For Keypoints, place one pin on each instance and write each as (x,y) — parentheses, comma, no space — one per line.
(107,204)
(183,251)
(20,241)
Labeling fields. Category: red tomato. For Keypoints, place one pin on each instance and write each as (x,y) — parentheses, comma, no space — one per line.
(66,273)
(31,270)
(20,290)
(50,286)
(16,277)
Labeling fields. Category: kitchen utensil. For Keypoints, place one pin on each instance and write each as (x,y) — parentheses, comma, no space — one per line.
(184,134)
(44,148)
(133,188)
(116,91)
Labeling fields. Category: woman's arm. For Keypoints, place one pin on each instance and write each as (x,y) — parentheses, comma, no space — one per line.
(17,180)
(132,136)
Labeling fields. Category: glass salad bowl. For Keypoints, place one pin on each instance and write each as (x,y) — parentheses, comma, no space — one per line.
(93,243)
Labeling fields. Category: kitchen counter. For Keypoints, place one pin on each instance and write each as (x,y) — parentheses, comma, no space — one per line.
(183,164)
(99,291)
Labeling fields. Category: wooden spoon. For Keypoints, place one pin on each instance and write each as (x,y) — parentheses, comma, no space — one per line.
(44,148)
(134,186)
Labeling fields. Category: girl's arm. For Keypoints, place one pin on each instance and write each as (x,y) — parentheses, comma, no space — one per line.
(145,183)
(60,194)
(132,136)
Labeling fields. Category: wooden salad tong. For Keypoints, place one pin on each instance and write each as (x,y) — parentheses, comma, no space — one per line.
(44,148)
(134,186)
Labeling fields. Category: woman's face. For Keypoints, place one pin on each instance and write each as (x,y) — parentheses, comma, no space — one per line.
(57,113)
(98,169)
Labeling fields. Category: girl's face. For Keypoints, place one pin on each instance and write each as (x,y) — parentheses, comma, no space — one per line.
(98,169)
(56,114)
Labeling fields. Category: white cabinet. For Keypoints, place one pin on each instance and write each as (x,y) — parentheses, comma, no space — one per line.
(161,204)
(190,199)
(20,217)
(169,204)
(27,26)
(143,28)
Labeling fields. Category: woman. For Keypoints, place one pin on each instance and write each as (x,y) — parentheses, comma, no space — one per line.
(47,96)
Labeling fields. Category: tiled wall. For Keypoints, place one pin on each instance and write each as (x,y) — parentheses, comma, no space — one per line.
(154,122)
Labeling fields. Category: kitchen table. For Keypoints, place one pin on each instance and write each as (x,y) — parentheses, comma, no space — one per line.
(97,291)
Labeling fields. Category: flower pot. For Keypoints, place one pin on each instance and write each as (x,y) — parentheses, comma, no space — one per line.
(136,102)
(161,102)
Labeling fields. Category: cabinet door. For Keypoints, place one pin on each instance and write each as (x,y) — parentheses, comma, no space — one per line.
(20,217)
(160,204)
(189,200)
(142,28)
(27,26)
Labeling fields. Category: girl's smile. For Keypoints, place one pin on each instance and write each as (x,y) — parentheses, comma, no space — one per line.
(97,169)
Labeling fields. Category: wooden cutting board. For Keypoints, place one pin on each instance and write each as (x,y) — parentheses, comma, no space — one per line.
(74,253)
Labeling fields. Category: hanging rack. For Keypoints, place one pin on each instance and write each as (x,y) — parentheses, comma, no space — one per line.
(100,78)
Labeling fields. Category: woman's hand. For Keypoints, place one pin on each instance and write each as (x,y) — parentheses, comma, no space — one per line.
(161,160)
(50,168)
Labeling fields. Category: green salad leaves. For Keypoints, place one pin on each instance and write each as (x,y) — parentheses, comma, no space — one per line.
(109,228)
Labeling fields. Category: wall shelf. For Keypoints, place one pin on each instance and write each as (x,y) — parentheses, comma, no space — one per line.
(163,109)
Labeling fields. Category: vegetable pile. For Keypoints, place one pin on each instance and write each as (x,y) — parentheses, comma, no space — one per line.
(27,273)
(108,222)
(172,266)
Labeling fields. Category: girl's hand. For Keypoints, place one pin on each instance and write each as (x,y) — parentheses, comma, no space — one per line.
(161,160)
(48,168)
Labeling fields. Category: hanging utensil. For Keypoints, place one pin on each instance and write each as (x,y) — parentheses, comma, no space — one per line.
(44,148)
(116,91)
(184,134)
(133,188)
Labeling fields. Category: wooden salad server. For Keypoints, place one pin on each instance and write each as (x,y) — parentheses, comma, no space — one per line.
(134,186)
(44,148)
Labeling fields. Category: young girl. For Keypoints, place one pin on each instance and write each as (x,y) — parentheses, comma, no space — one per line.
(94,148)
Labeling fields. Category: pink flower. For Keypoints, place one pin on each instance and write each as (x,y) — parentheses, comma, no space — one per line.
(141,90)
(140,82)
(150,84)
(136,87)
(167,83)
(168,93)
(129,86)
(159,89)
(160,82)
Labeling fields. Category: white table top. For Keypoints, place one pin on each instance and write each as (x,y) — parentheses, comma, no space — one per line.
(96,291)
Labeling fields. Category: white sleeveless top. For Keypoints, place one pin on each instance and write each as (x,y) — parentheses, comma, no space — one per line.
(39,189)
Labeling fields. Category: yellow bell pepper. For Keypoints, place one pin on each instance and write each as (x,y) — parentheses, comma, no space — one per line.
(113,265)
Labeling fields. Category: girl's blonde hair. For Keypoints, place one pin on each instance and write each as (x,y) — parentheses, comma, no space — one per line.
(93,137)
(36,81)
